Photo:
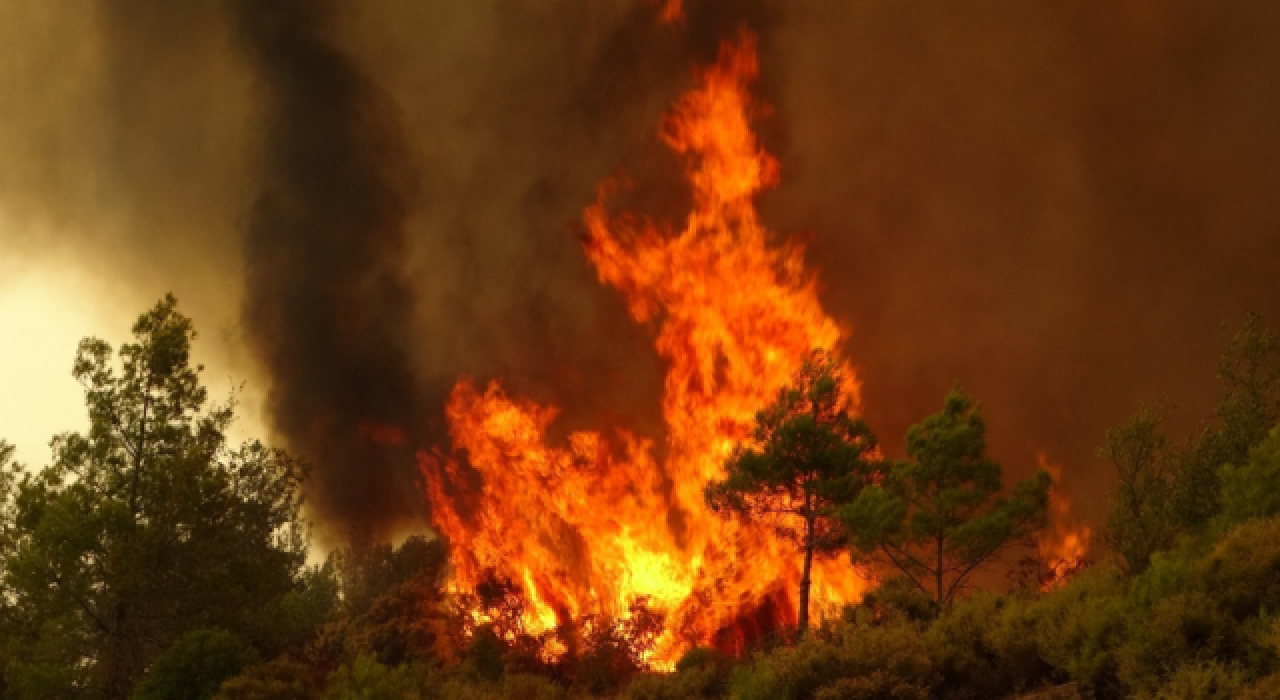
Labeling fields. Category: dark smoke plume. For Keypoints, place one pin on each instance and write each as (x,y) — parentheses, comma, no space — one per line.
(1056,203)
(327,303)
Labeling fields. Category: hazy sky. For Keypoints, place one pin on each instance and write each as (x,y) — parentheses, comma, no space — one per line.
(1058,204)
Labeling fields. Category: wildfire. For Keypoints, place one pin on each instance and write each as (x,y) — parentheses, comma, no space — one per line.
(594,525)
(1064,547)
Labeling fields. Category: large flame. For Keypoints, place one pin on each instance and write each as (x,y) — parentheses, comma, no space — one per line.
(592,526)
(1064,546)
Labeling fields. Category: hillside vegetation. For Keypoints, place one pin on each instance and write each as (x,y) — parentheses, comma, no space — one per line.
(152,559)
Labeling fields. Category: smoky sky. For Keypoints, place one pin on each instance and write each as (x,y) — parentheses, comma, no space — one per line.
(1058,205)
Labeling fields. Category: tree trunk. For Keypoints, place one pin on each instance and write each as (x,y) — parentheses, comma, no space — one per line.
(939,573)
(802,618)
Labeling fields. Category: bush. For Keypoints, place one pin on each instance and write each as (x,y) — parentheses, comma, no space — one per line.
(1208,681)
(366,679)
(281,679)
(877,685)
(1079,627)
(1243,570)
(1267,688)
(849,661)
(701,673)
(968,656)
(523,686)
(901,594)
(195,666)
(1249,490)
(1180,633)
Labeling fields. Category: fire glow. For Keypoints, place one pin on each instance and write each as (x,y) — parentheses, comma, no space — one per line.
(593,526)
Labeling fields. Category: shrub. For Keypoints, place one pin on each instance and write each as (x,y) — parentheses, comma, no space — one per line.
(195,666)
(281,679)
(523,686)
(1267,688)
(1181,632)
(1079,627)
(877,685)
(1243,570)
(1249,490)
(901,594)
(366,679)
(961,650)
(701,673)
(1208,681)
(702,682)
(849,660)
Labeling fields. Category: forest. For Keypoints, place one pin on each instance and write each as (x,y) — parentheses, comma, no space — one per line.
(639,350)
(153,559)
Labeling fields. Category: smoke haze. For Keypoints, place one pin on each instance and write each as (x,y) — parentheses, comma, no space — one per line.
(1057,204)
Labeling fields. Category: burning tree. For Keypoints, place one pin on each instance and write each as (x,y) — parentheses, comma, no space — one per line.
(809,455)
(936,517)
(589,524)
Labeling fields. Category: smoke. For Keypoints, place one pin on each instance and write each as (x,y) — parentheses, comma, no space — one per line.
(1056,204)
(327,301)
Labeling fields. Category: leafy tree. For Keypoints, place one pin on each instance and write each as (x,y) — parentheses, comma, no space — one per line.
(148,525)
(1141,522)
(1249,373)
(1167,489)
(937,517)
(10,474)
(392,607)
(1249,489)
(367,571)
(808,455)
(195,666)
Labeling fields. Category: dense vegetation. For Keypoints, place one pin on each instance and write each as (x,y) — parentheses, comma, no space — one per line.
(151,559)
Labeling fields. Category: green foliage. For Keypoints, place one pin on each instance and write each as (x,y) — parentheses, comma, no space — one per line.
(148,525)
(1181,631)
(937,517)
(1250,407)
(524,686)
(195,666)
(808,456)
(1266,688)
(1166,491)
(1169,573)
(1207,681)
(700,673)
(1243,570)
(368,571)
(1249,490)
(289,623)
(1142,520)
(974,653)
(281,679)
(901,594)
(381,601)
(1080,626)
(848,661)
(366,679)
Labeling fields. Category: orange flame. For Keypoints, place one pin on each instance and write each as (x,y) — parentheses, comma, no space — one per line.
(1064,547)
(593,525)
